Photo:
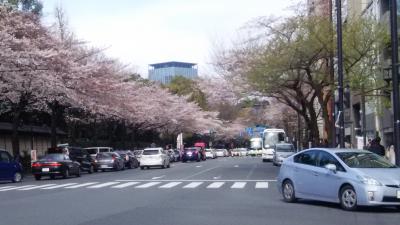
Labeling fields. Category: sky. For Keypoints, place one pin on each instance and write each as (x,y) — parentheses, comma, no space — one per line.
(142,32)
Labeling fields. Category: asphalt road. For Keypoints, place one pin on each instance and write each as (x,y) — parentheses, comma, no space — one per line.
(224,191)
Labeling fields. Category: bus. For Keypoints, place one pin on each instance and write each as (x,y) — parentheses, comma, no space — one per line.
(270,137)
(255,146)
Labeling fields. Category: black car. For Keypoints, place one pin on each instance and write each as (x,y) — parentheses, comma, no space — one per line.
(192,154)
(129,158)
(77,154)
(55,164)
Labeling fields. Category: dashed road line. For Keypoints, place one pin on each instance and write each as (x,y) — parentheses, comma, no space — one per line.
(58,186)
(193,185)
(103,185)
(238,185)
(261,185)
(170,184)
(147,185)
(128,184)
(215,185)
(81,185)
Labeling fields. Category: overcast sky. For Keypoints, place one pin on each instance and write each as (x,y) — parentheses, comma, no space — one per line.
(142,32)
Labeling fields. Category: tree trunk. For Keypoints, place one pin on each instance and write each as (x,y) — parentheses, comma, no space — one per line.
(54,114)
(15,137)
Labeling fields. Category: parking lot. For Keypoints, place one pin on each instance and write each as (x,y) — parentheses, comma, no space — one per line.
(226,190)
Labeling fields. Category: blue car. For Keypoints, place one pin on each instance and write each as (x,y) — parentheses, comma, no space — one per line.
(9,168)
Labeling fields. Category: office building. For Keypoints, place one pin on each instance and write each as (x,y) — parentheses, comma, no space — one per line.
(165,72)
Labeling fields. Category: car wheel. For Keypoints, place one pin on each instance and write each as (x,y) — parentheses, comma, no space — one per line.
(123,167)
(148,167)
(142,167)
(130,165)
(103,170)
(348,198)
(169,165)
(52,177)
(264,160)
(38,177)
(136,165)
(17,177)
(78,174)
(162,166)
(66,173)
(288,191)
(91,169)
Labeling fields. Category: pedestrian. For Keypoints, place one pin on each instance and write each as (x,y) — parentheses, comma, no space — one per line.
(376,147)
(390,154)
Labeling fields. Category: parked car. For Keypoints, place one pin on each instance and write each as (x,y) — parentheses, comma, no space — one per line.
(192,154)
(138,154)
(154,157)
(77,154)
(177,155)
(55,164)
(243,152)
(93,151)
(110,161)
(235,152)
(210,153)
(10,169)
(349,177)
(221,152)
(171,154)
(129,158)
(281,152)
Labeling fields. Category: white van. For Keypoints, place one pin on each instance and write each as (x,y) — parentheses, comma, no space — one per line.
(94,150)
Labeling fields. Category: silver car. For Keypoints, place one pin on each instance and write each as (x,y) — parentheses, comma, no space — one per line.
(346,176)
(281,152)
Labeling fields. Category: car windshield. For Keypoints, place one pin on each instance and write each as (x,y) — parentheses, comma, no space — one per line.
(92,150)
(150,152)
(364,160)
(137,152)
(53,157)
(284,148)
(190,149)
(104,150)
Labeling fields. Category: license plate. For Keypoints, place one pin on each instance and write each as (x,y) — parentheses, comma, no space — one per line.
(45,169)
(103,166)
(398,194)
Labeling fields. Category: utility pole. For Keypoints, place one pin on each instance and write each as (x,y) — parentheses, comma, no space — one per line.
(340,71)
(332,80)
(395,79)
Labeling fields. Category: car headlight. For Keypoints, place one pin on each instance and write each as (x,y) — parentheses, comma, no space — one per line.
(369,181)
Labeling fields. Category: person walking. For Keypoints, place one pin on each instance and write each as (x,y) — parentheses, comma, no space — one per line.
(376,147)
(390,154)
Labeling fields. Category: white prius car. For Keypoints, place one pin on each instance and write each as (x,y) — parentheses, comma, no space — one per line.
(154,157)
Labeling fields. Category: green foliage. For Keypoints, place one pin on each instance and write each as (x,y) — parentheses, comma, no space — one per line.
(186,87)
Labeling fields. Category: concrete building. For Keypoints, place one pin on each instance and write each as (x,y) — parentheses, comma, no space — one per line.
(165,72)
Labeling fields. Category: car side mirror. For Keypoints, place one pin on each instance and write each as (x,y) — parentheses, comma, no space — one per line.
(331,167)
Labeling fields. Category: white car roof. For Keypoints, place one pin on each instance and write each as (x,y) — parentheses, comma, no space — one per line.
(152,149)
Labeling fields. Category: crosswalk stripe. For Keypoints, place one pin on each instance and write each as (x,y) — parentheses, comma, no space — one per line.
(216,185)
(103,185)
(58,186)
(81,185)
(262,185)
(15,188)
(36,187)
(125,185)
(170,184)
(146,185)
(193,185)
(237,185)
(5,187)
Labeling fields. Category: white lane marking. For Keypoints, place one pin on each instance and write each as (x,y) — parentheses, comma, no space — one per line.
(125,185)
(237,185)
(36,187)
(170,185)
(103,185)
(155,178)
(82,185)
(262,185)
(5,187)
(216,178)
(199,180)
(15,188)
(216,185)
(236,166)
(146,185)
(193,185)
(58,186)
(198,166)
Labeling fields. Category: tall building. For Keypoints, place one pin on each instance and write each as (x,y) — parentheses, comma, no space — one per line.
(166,71)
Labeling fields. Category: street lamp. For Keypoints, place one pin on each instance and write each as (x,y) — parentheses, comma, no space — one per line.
(340,71)
(395,79)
